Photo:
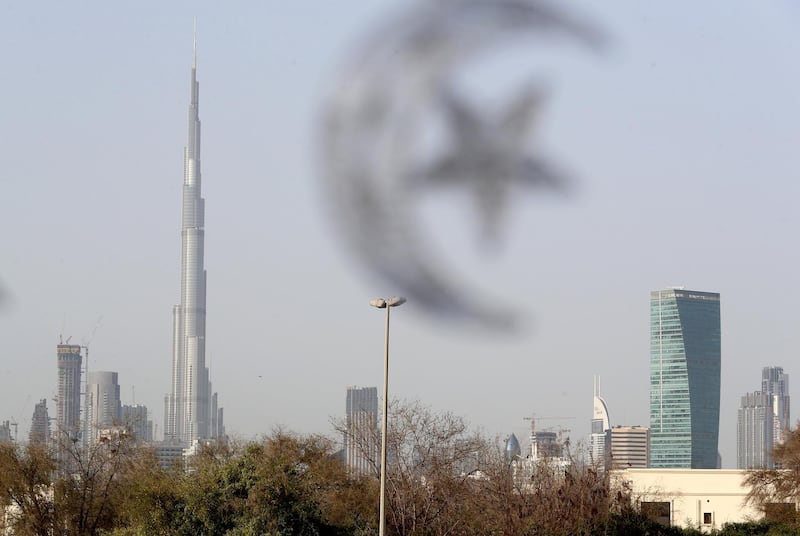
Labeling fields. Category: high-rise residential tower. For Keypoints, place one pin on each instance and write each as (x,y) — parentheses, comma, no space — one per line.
(103,406)
(68,393)
(361,436)
(188,405)
(685,365)
(776,384)
(762,421)
(754,434)
(134,418)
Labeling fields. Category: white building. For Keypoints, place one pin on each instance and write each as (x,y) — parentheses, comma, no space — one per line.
(600,439)
(704,499)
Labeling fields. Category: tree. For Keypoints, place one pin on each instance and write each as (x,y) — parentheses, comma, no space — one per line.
(435,464)
(443,478)
(71,490)
(299,487)
(92,481)
(153,500)
(25,489)
(777,491)
(283,485)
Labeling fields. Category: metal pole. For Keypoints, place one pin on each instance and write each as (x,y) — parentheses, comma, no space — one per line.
(384,427)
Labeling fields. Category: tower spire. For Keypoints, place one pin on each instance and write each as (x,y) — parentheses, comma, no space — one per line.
(194,46)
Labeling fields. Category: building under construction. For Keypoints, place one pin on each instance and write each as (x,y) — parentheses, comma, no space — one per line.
(68,395)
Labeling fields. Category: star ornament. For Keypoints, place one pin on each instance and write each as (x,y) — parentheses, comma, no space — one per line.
(489,155)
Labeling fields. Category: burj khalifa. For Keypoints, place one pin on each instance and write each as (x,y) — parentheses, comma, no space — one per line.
(191,411)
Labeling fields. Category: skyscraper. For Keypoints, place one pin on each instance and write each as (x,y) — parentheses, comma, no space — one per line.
(102,401)
(39,433)
(134,418)
(685,360)
(361,436)
(188,406)
(762,420)
(512,450)
(754,433)
(600,439)
(776,384)
(5,432)
(68,394)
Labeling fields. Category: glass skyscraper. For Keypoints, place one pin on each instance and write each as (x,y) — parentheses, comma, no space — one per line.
(685,363)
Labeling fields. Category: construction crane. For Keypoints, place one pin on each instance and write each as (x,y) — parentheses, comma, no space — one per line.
(533,418)
(86,341)
(552,447)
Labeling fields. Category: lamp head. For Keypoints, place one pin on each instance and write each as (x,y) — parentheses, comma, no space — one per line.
(383,303)
(394,301)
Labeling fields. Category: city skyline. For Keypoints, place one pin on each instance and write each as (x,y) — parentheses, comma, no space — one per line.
(675,129)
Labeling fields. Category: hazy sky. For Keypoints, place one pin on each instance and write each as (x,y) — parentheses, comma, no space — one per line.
(681,138)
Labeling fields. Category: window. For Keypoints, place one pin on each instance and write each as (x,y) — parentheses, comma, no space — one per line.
(657,511)
(707,518)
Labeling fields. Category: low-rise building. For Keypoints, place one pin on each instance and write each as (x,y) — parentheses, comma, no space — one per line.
(703,499)
(630,447)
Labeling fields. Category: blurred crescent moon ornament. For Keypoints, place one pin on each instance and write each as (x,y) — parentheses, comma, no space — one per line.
(371,121)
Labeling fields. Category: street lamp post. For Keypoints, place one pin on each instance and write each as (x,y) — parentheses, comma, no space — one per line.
(387,304)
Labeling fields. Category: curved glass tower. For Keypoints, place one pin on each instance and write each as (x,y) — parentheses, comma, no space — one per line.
(512,450)
(685,363)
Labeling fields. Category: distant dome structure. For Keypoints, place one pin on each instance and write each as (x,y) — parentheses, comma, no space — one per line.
(512,450)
